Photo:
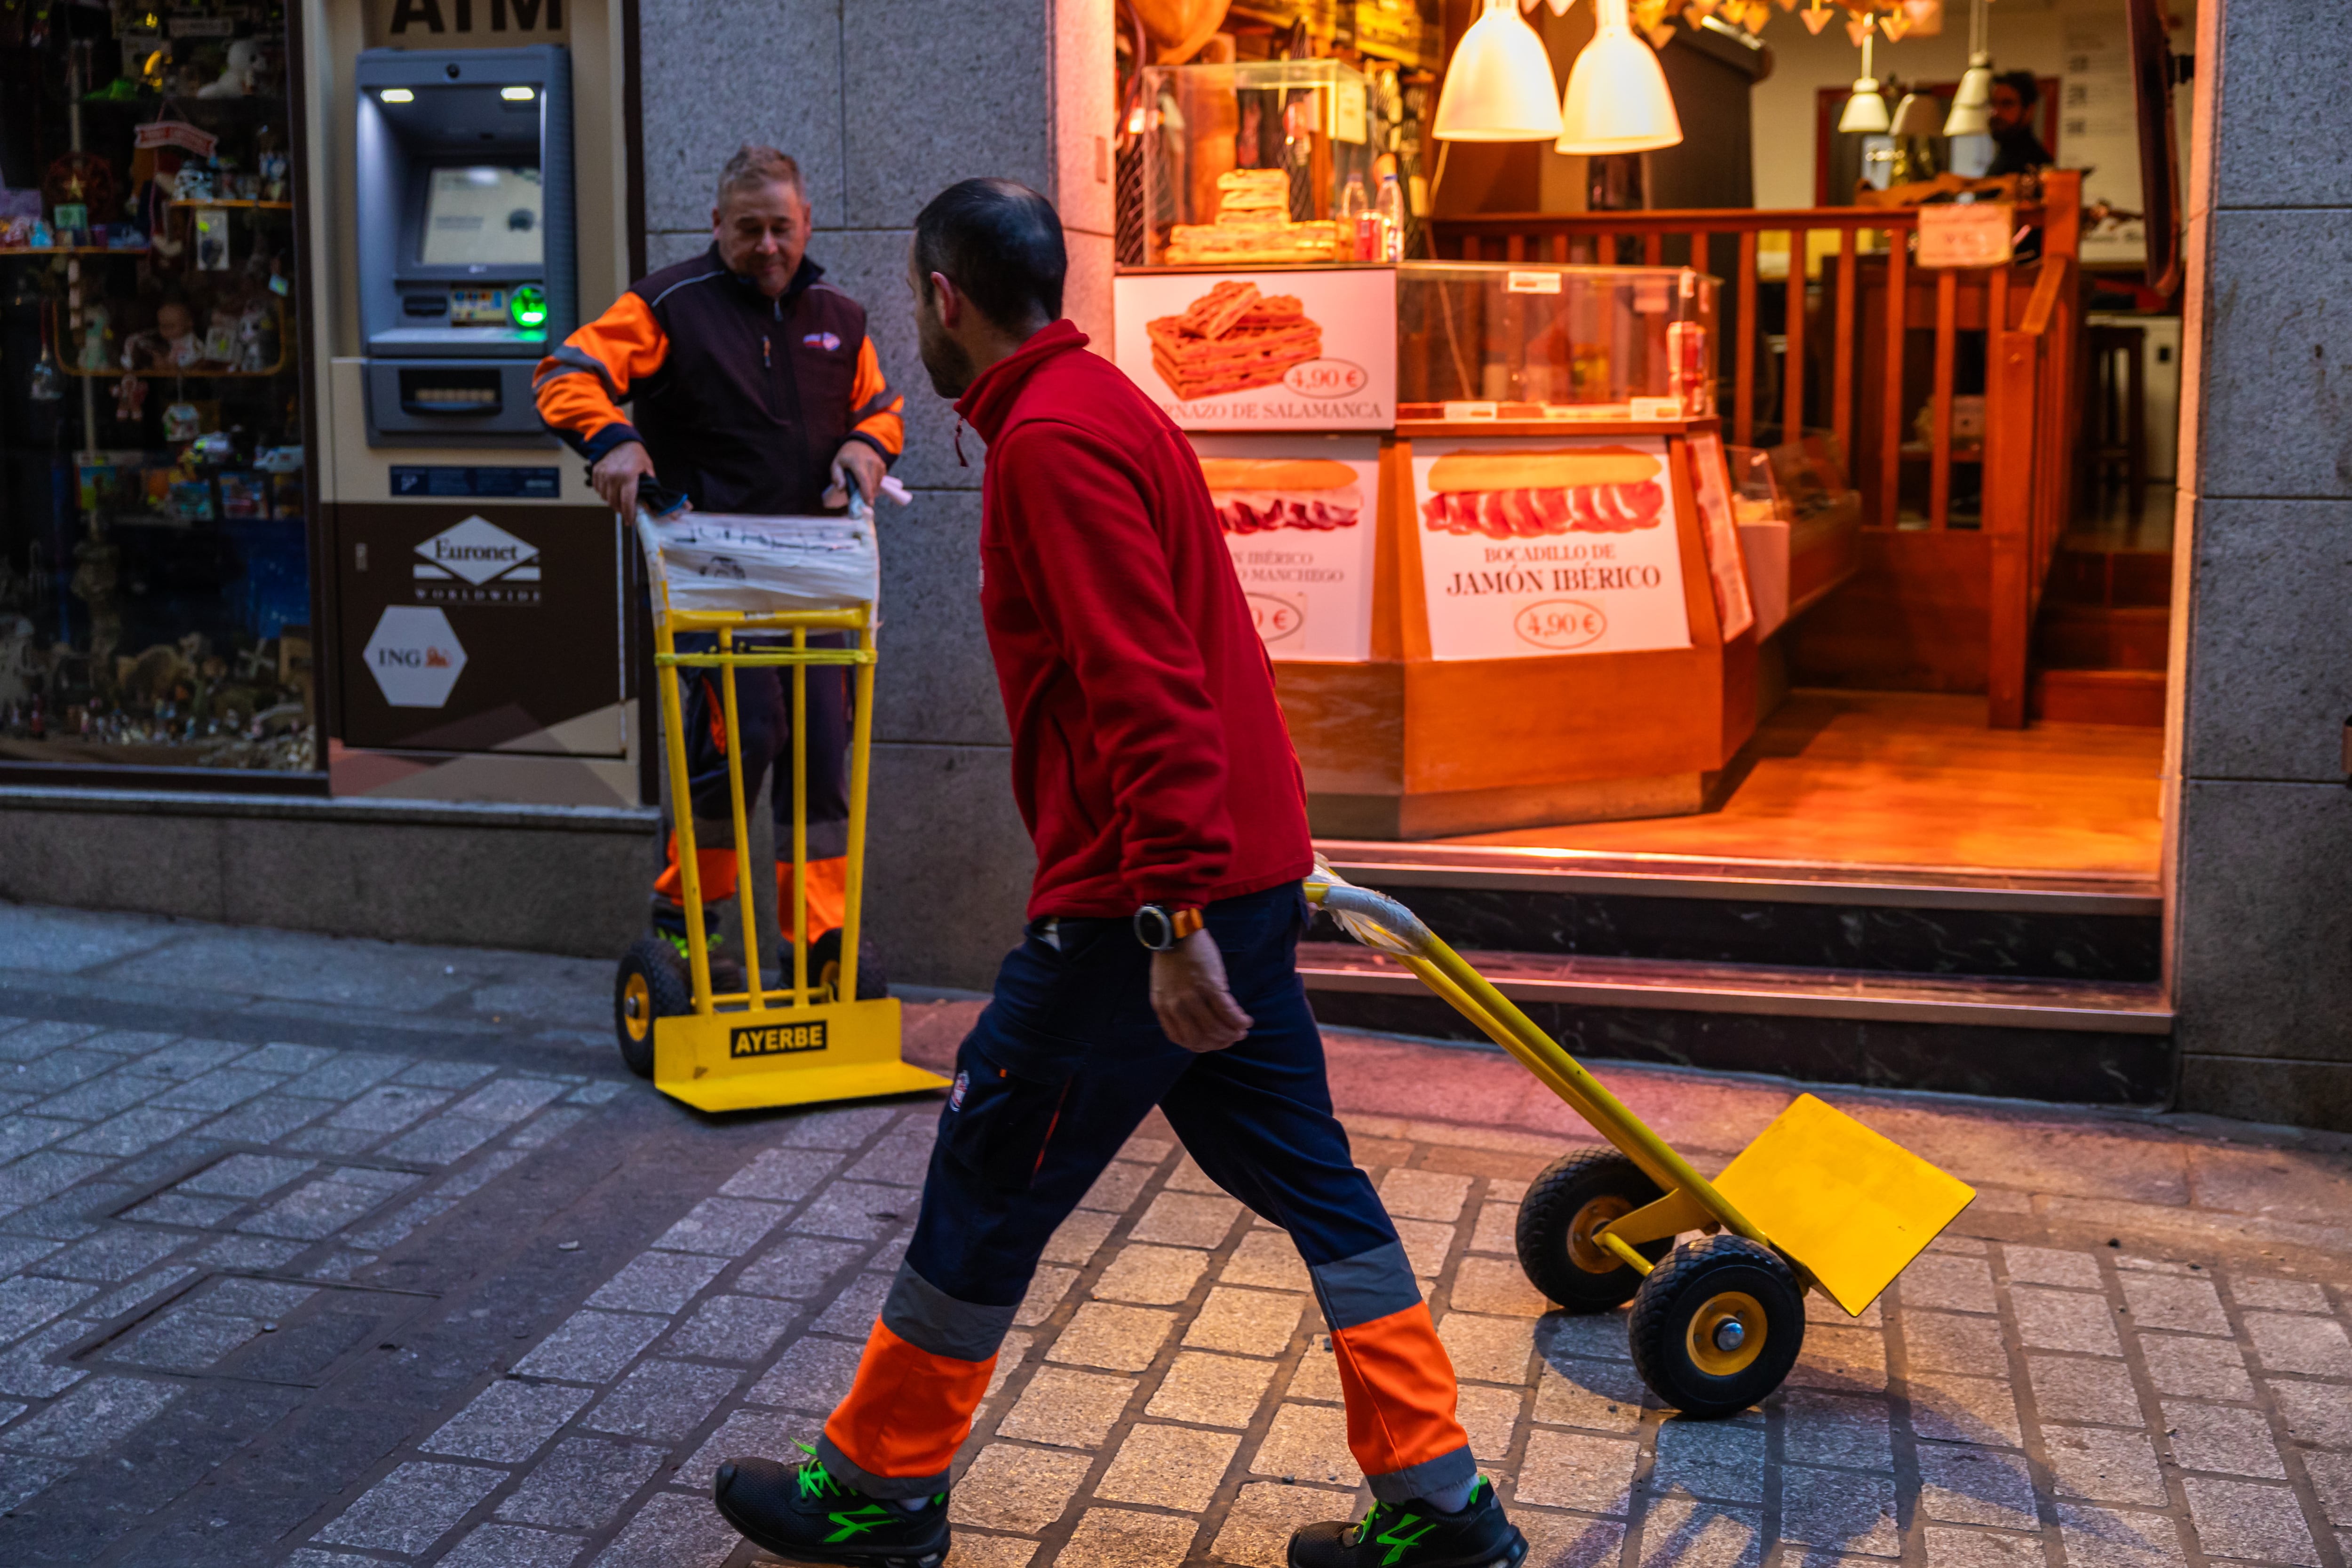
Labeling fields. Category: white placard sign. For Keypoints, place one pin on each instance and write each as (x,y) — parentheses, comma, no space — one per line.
(1533,547)
(1292,349)
(1300,517)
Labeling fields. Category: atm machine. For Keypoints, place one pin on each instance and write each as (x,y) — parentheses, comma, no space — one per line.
(472,177)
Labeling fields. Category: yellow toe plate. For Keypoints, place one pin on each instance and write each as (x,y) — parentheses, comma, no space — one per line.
(785,1056)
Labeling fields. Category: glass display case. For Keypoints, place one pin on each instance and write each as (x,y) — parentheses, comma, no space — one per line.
(155,561)
(1255,164)
(1481,340)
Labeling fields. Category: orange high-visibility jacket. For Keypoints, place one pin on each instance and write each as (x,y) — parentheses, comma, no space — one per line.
(740,400)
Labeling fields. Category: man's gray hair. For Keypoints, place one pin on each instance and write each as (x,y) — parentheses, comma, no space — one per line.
(756,165)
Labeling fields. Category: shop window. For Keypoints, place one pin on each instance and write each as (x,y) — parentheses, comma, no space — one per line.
(154,561)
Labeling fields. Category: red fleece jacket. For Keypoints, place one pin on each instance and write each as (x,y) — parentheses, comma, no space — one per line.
(1150,757)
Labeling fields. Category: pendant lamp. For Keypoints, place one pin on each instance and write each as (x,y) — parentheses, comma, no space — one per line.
(1617,99)
(1917,115)
(1865,110)
(1498,86)
(1969,103)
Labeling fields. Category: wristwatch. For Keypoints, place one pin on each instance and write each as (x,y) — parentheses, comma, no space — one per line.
(1159,928)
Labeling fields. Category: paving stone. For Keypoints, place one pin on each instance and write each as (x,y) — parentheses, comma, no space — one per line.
(858,1210)
(137,1293)
(219,1090)
(2045,1266)
(591,1347)
(17,1252)
(387,1108)
(1427,1244)
(2231,1442)
(1833,1429)
(2316,1414)
(1976,1486)
(1569,1470)
(1819,1309)
(1147,1149)
(1569,1540)
(1246,1323)
(1121,1538)
(2331,1481)
(1048,1286)
(1978,1410)
(22,1479)
(2073,1388)
(755,1434)
(1710,1458)
(657,1282)
(1490,1417)
(28,1302)
(1837,1510)
(266,1121)
(22,1134)
(1487,1349)
(1950,1283)
(968,1549)
(1497,1229)
(2210,1368)
(1317,1376)
(284,1057)
(342,1142)
(506,1101)
(1168,1467)
(812,1374)
(511,1546)
(1010,1354)
(2109,1538)
(60,1070)
(1493,1285)
(1308,1443)
(663,1400)
(2066,1320)
(2315,1346)
(1257,1528)
(507,1422)
(444,1074)
(1151,1276)
(23,1042)
(25,1371)
(900,1160)
(480,1174)
(784,1176)
(1266,1257)
(1424,1195)
(316,1210)
(443,1141)
(91,1100)
(1187,1219)
(1946,1341)
(1680,1533)
(798,1269)
(1067,1409)
(134,1131)
(675,1530)
(1953,1548)
(2184,1304)
(186,1340)
(1116,1338)
(1188,1176)
(2241,1518)
(1017,1488)
(1211,1390)
(1575,1391)
(843,1129)
(2279,1295)
(851,1314)
(733,1328)
(412,1216)
(1116,1190)
(2104,1466)
(1598,1335)
(412,1508)
(1079,1238)
(546,1128)
(1846,1360)
(98,1414)
(246,1176)
(723,1226)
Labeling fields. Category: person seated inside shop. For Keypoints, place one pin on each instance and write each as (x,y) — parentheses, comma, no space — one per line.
(2016,149)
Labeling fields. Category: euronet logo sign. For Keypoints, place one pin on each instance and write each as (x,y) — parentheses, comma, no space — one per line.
(476,562)
(415,657)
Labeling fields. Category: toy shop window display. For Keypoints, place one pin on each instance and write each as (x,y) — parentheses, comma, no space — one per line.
(154,562)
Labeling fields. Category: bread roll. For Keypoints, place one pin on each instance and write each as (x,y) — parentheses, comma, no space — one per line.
(1276,474)
(1562,470)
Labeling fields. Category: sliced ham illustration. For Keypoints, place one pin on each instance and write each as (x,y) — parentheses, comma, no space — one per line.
(1531,514)
(1256,513)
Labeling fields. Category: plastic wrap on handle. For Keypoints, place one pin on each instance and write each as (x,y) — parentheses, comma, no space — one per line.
(751,565)
(1374,919)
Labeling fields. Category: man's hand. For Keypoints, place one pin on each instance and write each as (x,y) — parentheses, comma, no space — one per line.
(616,474)
(855,464)
(1188,992)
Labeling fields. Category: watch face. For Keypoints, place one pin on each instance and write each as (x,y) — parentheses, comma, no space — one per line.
(1154,929)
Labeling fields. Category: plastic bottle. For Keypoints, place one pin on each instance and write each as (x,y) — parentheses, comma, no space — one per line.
(1390,205)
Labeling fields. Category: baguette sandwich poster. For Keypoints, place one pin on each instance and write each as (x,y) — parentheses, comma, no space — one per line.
(1299,516)
(1534,547)
(1262,350)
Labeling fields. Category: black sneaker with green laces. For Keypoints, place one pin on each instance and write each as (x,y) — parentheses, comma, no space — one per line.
(1415,1535)
(802,1512)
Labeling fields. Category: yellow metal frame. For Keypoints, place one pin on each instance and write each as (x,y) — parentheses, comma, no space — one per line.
(797,1044)
(1848,1209)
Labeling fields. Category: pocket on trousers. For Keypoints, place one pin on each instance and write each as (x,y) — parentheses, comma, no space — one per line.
(999,1123)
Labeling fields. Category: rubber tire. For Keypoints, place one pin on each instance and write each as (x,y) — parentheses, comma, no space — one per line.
(873,985)
(1549,1212)
(667,985)
(1675,1290)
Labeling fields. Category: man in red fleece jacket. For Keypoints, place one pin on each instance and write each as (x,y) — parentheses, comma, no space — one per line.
(1151,764)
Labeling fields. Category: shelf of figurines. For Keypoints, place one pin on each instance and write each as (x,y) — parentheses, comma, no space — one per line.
(9,250)
(162,351)
(232,202)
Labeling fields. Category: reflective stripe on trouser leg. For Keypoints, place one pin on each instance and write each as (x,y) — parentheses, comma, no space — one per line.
(1396,1375)
(925,1371)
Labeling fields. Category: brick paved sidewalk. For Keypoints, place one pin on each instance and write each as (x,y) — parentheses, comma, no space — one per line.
(265,1299)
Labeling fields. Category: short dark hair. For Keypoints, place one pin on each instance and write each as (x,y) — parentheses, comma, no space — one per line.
(2021,83)
(756,165)
(1001,242)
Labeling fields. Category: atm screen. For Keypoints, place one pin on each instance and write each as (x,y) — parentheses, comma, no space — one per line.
(482,216)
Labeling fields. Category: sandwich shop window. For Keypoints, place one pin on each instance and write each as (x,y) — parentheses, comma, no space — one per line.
(155,565)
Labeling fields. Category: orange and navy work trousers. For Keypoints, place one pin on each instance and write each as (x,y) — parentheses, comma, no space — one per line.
(763,723)
(1063,1065)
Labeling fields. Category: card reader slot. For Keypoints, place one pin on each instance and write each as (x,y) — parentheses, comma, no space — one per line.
(446,394)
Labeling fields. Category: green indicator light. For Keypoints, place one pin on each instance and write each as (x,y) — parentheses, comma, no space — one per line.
(527,307)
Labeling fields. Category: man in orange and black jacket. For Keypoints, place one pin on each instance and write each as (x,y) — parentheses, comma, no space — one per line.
(756,390)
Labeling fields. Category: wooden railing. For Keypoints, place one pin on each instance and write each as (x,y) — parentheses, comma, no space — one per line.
(1848,362)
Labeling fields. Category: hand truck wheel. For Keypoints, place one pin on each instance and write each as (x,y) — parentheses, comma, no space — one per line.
(1718,1326)
(1577,1195)
(825,967)
(653,984)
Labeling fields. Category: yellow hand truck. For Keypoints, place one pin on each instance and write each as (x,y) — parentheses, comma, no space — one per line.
(818,1038)
(1817,1202)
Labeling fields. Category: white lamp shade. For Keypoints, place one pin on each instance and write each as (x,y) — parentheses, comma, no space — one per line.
(1617,99)
(1975,84)
(1917,115)
(1865,110)
(1968,120)
(1498,87)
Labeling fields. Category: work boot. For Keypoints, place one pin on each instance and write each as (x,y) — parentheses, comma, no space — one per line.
(1415,1535)
(725,968)
(803,1513)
